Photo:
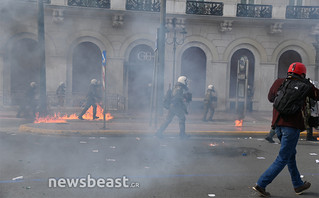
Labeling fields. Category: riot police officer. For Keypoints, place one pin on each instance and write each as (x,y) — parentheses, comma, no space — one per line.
(60,92)
(210,102)
(92,98)
(179,99)
(28,106)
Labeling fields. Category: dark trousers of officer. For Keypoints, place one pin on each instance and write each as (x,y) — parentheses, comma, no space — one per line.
(87,106)
(171,113)
(211,109)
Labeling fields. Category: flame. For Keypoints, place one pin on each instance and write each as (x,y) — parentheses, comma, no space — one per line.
(238,123)
(58,118)
(318,138)
(48,119)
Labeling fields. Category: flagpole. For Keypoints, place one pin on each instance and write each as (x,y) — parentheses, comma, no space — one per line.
(104,85)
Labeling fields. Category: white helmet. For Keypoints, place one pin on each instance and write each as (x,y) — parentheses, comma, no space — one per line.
(210,87)
(183,80)
(93,81)
(33,84)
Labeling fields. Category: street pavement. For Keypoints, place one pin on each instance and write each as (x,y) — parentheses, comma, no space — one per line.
(218,160)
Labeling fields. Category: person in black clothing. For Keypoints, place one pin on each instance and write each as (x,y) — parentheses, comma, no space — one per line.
(210,101)
(60,92)
(177,107)
(28,105)
(92,98)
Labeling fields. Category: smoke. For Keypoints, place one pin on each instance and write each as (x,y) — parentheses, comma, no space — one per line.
(42,157)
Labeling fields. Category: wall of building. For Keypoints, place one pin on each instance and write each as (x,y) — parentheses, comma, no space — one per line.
(118,32)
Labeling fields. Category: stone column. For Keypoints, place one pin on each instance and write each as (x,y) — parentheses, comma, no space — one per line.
(1,80)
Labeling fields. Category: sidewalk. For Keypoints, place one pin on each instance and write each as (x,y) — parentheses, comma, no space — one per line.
(140,124)
(255,123)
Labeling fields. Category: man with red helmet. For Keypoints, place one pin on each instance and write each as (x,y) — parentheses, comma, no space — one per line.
(288,128)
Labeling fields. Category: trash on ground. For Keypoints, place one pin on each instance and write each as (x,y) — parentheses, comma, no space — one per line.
(83,142)
(261,158)
(138,138)
(302,176)
(113,147)
(17,178)
(95,151)
(317,161)
(211,195)
(110,160)
(313,154)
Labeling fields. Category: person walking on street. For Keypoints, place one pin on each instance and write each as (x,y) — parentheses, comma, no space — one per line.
(210,103)
(60,92)
(92,98)
(177,107)
(288,128)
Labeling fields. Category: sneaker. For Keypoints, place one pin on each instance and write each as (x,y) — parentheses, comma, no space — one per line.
(80,117)
(262,192)
(302,188)
(269,139)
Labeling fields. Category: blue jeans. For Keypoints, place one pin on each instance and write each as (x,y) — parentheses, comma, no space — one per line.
(287,156)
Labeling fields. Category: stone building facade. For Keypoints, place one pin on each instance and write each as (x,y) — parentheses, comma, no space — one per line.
(239,46)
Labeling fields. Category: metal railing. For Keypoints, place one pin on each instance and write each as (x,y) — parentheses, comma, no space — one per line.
(90,3)
(252,10)
(204,8)
(302,12)
(143,5)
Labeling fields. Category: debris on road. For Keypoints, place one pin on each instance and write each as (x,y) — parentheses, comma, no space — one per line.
(17,178)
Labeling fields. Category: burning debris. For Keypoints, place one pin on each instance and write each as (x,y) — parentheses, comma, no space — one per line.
(58,118)
(238,123)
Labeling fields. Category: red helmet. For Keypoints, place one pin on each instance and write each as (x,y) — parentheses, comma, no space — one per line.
(297,68)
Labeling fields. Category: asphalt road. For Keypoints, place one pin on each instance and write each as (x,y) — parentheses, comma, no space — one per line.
(197,167)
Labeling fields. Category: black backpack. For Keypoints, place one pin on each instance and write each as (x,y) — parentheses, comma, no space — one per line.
(291,95)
